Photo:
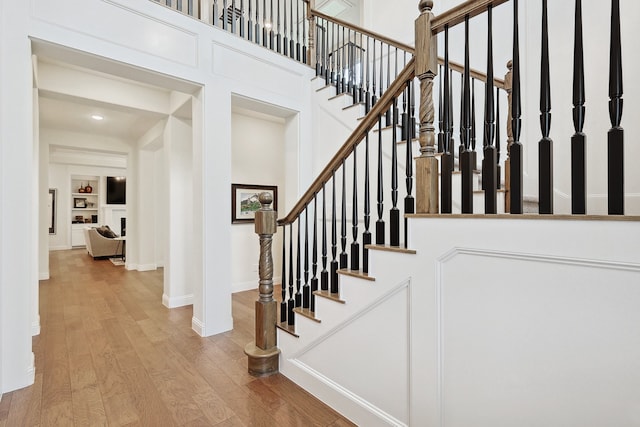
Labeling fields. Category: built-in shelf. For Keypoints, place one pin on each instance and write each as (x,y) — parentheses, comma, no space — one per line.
(84,207)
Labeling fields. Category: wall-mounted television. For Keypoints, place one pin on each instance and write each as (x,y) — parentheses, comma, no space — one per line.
(116,190)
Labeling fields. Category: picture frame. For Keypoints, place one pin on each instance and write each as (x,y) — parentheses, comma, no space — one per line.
(51,206)
(79,203)
(244,201)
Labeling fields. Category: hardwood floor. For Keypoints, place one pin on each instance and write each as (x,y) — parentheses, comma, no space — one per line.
(109,353)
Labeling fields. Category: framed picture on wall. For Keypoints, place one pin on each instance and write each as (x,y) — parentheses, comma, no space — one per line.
(245,203)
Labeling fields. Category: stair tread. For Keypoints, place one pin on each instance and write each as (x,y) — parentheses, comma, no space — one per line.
(339,95)
(357,104)
(306,313)
(290,329)
(356,273)
(391,248)
(329,295)
(500,190)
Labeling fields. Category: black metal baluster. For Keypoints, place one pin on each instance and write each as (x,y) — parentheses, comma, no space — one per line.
(306,289)
(452,141)
(404,132)
(380,238)
(461,146)
(279,34)
(344,62)
(374,96)
(412,115)
(381,87)
(362,70)
(395,111)
(545,146)
(292,42)
(215,13)
(516,148)
(389,112)
(265,27)
(334,240)
(190,7)
(319,48)
(304,36)
(291,303)
(283,303)
(447,157)
(343,219)
(489,176)
(338,52)
(352,70)
(474,154)
(615,136)
(285,43)
(355,246)
(394,214)
(258,30)
(298,268)
(271,32)
(298,30)
(497,128)
(440,114)
(578,140)
(366,236)
(325,51)
(242,18)
(367,92)
(465,129)
(324,274)
(409,201)
(314,257)
(250,23)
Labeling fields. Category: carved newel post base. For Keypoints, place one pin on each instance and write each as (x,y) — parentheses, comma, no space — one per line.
(263,355)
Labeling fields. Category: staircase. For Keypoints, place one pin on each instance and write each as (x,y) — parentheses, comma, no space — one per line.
(409,296)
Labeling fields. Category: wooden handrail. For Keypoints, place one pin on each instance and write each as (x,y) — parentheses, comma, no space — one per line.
(367,123)
(364,31)
(456,15)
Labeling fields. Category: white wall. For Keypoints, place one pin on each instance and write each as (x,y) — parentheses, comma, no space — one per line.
(258,155)
(180,47)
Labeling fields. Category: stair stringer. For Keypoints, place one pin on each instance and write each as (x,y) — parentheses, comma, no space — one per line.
(376,364)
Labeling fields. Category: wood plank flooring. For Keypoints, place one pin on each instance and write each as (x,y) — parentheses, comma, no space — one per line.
(110,354)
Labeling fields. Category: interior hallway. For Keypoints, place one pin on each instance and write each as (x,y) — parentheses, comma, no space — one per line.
(109,353)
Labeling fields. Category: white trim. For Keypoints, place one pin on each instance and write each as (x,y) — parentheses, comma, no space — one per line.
(174,302)
(31,370)
(44,276)
(146,267)
(35,326)
(60,248)
(197,326)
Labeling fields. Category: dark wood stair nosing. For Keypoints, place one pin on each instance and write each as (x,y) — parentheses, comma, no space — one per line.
(305,312)
(291,330)
(387,248)
(328,295)
(359,274)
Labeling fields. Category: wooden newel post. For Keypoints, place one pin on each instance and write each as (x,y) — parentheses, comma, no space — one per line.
(311,55)
(427,197)
(264,353)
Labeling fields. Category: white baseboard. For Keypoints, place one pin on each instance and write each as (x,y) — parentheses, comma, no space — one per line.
(174,302)
(147,267)
(59,248)
(31,370)
(247,286)
(44,275)
(35,327)
(197,326)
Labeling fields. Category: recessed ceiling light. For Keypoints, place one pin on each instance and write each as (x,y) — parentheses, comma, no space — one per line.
(97,117)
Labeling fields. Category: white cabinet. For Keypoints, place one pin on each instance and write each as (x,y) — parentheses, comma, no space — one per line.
(85,206)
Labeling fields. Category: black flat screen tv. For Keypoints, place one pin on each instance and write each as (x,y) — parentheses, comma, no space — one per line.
(116,190)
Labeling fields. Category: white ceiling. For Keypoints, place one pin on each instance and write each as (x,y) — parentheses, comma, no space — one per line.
(73,114)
